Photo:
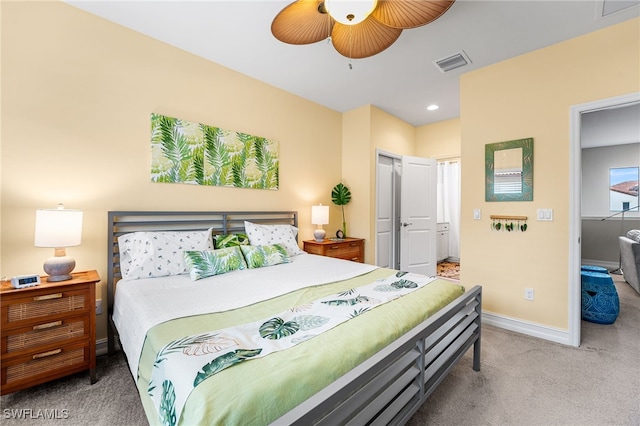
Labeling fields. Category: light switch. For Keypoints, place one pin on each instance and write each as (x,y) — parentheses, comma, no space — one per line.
(545,215)
(477,214)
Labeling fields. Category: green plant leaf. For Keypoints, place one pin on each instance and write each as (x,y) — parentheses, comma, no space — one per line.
(168,404)
(340,195)
(277,328)
(224,361)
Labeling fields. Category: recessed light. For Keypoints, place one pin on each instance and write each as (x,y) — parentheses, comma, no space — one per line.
(433,107)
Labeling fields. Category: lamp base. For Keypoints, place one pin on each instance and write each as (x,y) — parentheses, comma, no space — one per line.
(319,235)
(59,268)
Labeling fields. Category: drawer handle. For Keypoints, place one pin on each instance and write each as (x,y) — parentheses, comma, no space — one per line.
(354,244)
(47,325)
(46,354)
(334,247)
(49,296)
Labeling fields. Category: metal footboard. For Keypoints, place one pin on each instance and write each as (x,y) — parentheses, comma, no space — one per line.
(389,387)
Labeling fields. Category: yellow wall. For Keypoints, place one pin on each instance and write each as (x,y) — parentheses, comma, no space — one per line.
(531,96)
(439,140)
(77,93)
(365,130)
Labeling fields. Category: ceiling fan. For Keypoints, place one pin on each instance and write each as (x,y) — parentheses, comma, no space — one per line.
(357,28)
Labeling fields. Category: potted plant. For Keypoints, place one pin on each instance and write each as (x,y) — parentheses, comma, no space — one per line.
(340,196)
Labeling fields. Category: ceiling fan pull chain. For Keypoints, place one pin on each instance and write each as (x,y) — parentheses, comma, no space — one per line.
(350,47)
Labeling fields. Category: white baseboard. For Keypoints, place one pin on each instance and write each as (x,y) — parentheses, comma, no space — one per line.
(530,329)
(102,346)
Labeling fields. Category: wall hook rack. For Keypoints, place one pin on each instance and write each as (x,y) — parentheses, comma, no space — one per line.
(508,223)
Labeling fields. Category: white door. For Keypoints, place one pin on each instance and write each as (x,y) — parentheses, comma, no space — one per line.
(418,215)
(385,212)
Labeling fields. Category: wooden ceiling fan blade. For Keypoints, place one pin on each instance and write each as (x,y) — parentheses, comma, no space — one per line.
(301,22)
(407,14)
(362,40)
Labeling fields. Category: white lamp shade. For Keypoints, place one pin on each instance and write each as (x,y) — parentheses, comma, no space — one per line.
(350,12)
(320,215)
(58,228)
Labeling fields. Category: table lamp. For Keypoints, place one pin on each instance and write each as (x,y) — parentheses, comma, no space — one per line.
(319,216)
(58,228)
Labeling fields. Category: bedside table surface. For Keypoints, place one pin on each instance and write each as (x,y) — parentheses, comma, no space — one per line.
(76,278)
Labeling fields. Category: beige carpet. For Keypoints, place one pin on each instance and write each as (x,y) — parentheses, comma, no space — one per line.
(528,381)
(523,381)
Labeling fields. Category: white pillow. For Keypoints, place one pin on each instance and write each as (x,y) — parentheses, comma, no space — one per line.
(267,235)
(159,254)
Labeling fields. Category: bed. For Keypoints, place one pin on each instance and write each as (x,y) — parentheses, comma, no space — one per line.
(376,367)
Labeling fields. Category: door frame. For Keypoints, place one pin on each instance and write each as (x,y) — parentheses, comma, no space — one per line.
(396,244)
(575,199)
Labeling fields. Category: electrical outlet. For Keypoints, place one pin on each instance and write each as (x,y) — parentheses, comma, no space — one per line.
(528,293)
(98,306)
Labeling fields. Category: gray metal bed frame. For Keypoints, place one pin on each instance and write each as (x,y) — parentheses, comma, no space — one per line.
(389,387)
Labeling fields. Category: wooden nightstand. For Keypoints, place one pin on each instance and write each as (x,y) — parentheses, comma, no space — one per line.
(48,331)
(349,248)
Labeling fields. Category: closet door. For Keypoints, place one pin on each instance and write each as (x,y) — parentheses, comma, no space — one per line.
(385,213)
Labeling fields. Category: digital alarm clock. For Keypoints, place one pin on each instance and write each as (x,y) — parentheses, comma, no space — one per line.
(22,281)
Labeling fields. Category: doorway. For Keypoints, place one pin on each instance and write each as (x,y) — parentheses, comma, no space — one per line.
(406,213)
(575,213)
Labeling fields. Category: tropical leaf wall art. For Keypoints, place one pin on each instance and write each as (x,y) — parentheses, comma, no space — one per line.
(194,153)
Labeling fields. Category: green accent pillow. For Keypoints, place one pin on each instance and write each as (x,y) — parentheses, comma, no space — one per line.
(206,263)
(259,256)
(230,240)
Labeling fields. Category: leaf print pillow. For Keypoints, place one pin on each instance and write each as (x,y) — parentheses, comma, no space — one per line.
(159,254)
(259,256)
(206,263)
(230,240)
(264,235)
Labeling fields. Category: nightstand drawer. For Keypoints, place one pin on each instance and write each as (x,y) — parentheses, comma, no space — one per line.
(34,306)
(349,251)
(29,337)
(46,365)
(47,331)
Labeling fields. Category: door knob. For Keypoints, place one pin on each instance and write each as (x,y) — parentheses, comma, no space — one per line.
(407,224)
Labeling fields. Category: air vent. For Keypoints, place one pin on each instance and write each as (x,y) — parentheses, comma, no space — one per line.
(452,62)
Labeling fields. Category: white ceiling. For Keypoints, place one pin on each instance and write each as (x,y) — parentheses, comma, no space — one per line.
(611,126)
(402,80)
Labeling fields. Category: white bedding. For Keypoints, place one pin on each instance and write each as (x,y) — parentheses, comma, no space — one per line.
(147,302)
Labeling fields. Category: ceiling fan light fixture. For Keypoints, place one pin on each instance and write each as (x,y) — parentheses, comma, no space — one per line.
(350,12)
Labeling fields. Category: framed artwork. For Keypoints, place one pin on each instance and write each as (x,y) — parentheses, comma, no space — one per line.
(623,188)
(199,154)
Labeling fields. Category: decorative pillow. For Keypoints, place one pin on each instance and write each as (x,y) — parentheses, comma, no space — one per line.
(230,240)
(159,254)
(259,256)
(266,235)
(206,263)
(634,235)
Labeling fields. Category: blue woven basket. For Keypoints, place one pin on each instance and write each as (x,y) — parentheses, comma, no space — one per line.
(600,302)
(592,268)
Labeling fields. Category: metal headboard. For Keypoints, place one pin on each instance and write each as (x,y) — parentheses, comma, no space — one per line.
(124,222)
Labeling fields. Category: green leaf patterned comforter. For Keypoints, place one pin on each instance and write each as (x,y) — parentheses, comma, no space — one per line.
(259,391)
